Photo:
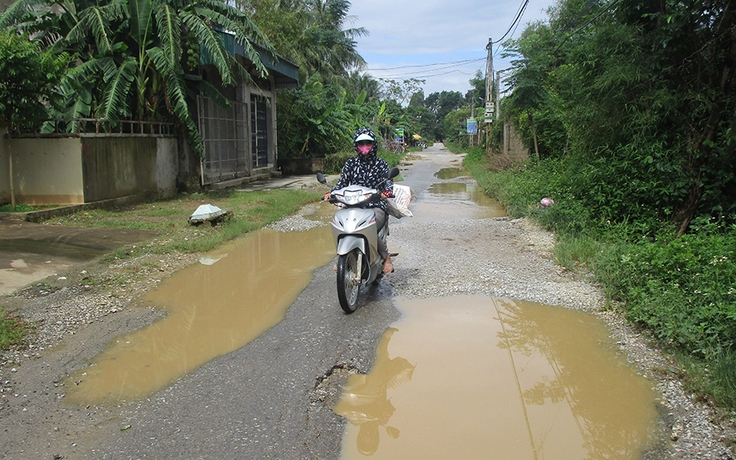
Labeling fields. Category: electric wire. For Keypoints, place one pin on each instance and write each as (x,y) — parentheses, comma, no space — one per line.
(516,20)
(428,70)
(448,65)
(466,61)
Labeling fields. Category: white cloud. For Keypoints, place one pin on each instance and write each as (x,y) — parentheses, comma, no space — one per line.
(424,32)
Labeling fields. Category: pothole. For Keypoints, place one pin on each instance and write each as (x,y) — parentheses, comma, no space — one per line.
(330,384)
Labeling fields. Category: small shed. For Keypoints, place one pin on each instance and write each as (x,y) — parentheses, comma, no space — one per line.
(241,142)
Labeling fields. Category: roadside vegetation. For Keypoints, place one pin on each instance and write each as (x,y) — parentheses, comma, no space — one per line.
(631,133)
(169,219)
(12,329)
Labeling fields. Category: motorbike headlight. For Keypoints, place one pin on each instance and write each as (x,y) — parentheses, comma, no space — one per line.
(352,197)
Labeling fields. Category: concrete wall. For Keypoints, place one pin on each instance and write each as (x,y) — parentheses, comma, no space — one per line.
(47,171)
(166,167)
(512,143)
(121,166)
(85,169)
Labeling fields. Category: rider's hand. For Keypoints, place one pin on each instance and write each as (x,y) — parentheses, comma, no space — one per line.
(326,197)
(386,194)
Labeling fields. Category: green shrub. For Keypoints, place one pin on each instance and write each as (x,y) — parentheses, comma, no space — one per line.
(20,207)
(683,289)
(335,162)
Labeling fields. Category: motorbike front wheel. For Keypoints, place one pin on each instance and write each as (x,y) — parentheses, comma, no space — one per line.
(348,281)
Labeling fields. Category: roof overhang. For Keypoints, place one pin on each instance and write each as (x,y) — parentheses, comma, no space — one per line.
(285,73)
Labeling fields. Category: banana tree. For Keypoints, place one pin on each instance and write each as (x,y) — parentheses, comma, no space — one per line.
(130,54)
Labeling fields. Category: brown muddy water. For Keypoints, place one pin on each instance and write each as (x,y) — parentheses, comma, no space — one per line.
(450,173)
(213,308)
(482,377)
(454,201)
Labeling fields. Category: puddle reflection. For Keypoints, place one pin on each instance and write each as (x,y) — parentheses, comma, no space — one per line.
(494,378)
(364,400)
(454,201)
(450,173)
(214,307)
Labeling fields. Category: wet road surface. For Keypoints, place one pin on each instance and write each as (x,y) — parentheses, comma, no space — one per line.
(30,252)
(502,384)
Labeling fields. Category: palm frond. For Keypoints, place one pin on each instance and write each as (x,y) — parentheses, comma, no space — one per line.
(210,42)
(208,89)
(108,67)
(20,12)
(176,93)
(169,33)
(93,20)
(115,102)
(140,12)
(161,62)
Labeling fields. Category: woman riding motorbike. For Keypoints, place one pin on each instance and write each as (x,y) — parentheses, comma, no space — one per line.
(368,170)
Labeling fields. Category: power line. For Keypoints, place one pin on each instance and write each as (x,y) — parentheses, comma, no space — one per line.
(466,61)
(421,76)
(429,70)
(519,14)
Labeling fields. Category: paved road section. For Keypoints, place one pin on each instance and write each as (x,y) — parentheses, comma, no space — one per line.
(30,252)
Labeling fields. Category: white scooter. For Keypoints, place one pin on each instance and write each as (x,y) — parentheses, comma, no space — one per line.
(356,237)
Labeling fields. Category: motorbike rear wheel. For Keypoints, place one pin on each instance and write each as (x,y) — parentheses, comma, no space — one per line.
(348,281)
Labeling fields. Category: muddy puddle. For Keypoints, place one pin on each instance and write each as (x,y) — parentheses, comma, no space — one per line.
(214,307)
(450,173)
(481,377)
(453,201)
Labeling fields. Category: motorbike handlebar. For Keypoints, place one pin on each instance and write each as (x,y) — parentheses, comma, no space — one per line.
(374,197)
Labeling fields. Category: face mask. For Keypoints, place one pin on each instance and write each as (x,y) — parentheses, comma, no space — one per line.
(364,149)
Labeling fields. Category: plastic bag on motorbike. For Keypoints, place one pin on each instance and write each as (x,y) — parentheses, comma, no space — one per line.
(398,205)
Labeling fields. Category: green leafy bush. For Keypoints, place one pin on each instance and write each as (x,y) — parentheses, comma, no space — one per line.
(683,289)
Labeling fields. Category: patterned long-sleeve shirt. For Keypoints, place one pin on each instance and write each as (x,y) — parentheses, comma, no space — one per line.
(368,171)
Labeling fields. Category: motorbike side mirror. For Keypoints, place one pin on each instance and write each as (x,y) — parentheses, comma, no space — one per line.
(393,172)
(321,178)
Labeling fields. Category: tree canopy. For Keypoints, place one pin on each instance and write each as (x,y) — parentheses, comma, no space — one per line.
(138,60)
(642,94)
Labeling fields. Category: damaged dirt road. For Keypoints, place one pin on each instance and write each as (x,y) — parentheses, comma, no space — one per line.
(273,397)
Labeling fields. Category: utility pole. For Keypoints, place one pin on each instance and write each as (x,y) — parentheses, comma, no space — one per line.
(490,95)
(496,96)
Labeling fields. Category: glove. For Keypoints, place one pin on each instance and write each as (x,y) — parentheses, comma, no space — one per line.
(386,194)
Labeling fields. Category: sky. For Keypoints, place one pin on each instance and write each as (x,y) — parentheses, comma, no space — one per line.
(440,41)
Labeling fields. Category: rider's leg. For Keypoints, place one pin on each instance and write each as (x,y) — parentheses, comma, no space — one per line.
(381,220)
